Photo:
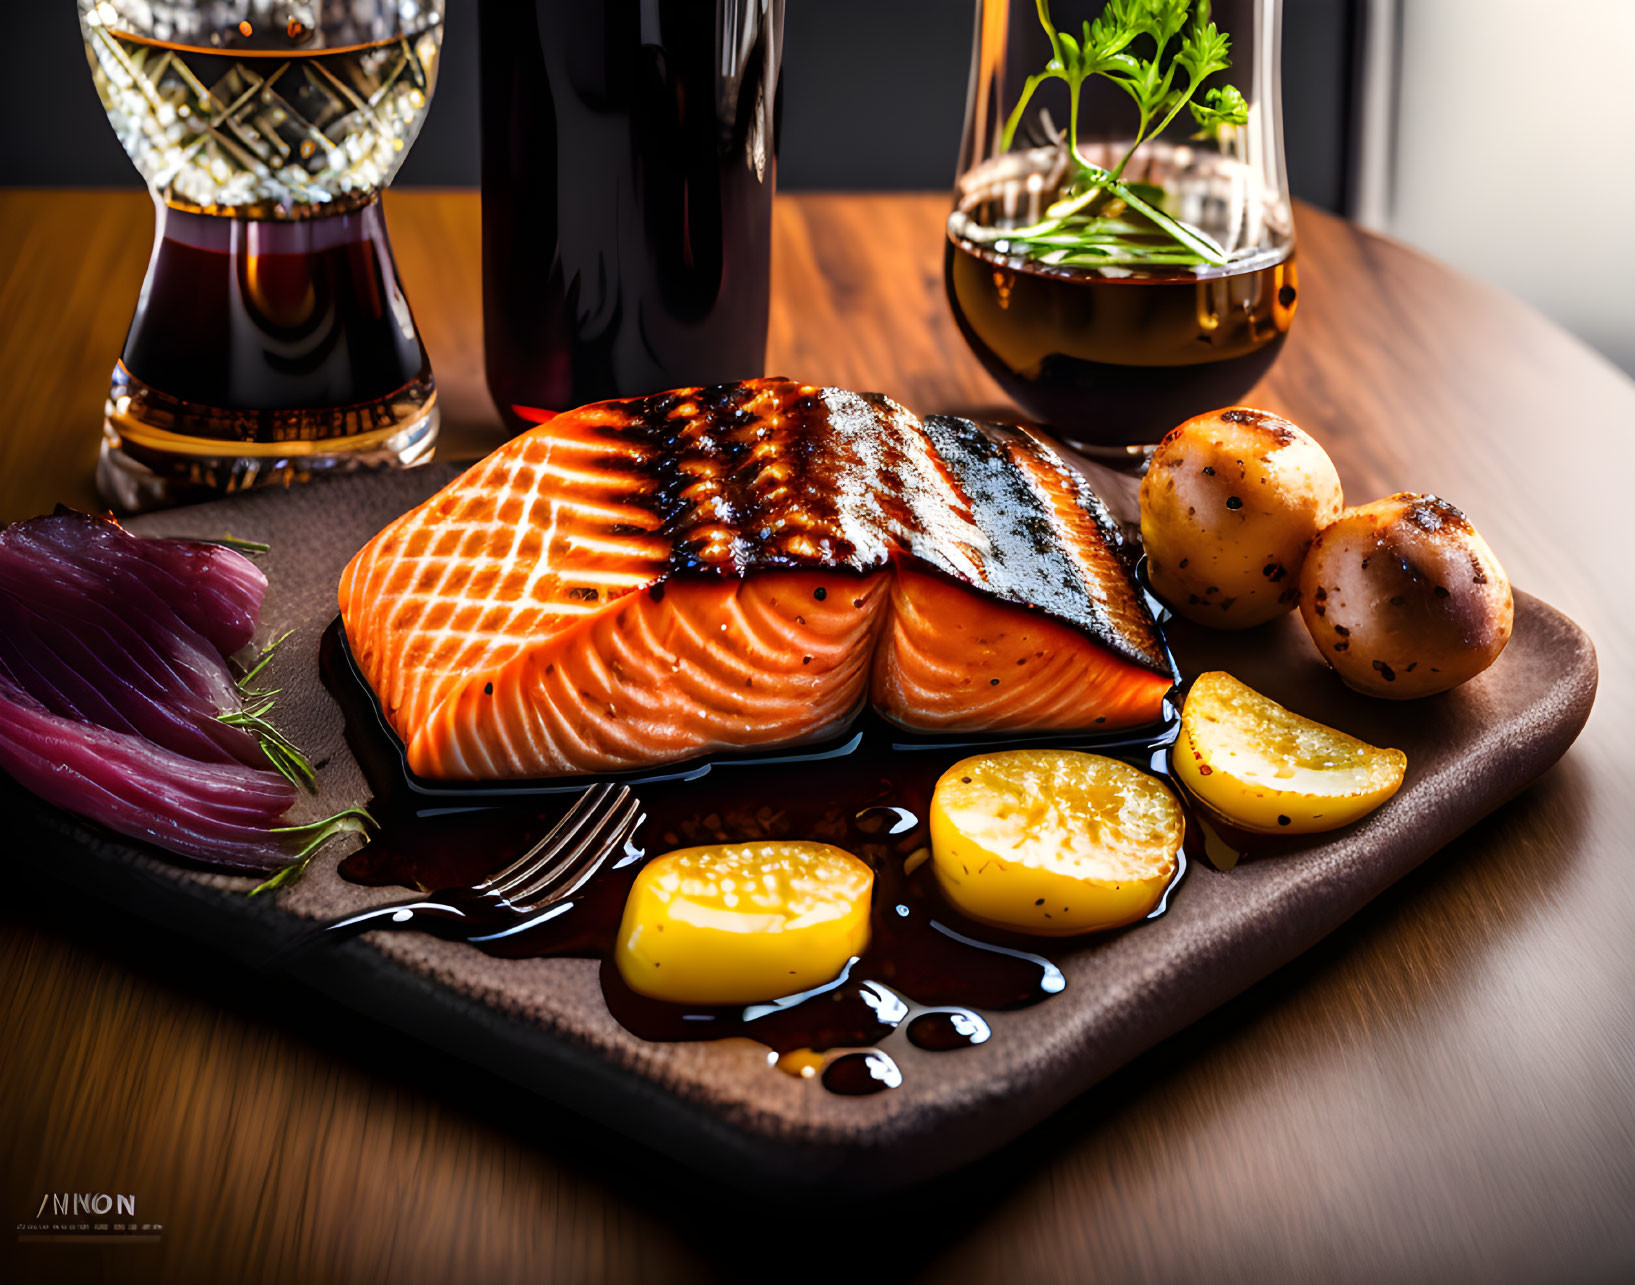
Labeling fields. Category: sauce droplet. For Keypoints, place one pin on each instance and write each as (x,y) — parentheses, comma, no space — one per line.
(947,1030)
(857,1074)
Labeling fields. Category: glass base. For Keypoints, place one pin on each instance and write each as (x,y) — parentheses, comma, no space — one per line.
(144,464)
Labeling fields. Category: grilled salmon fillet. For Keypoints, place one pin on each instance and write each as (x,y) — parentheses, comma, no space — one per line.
(745,566)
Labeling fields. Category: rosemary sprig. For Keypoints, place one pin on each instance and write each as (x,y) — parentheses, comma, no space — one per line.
(281,752)
(238,545)
(316,834)
(260,664)
(294,766)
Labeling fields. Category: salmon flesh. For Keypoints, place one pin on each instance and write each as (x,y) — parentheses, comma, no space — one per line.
(639,582)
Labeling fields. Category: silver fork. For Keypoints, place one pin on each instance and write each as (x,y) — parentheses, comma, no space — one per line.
(535,887)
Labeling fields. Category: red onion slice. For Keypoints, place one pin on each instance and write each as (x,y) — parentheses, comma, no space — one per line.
(216,812)
(114,684)
(214,590)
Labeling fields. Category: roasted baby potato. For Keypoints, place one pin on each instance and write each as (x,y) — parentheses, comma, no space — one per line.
(1230,504)
(1053,842)
(1404,598)
(1264,768)
(734,923)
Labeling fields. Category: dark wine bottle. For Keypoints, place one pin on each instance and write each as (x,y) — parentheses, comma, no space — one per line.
(629,156)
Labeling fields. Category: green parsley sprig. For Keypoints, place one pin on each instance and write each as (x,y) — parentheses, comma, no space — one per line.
(1146,48)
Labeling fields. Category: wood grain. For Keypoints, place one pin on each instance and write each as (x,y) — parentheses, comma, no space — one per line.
(1444,1089)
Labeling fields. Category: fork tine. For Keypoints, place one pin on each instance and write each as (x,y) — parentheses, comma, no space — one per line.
(560,848)
(552,890)
(579,812)
(632,818)
(585,810)
(615,821)
(585,856)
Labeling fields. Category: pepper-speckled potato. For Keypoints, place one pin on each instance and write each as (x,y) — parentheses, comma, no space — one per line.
(1404,598)
(1230,504)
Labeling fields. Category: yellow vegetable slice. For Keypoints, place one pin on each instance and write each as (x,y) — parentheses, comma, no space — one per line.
(734,923)
(1053,842)
(1266,769)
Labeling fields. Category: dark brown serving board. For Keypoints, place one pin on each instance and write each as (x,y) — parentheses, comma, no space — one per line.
(718,1106)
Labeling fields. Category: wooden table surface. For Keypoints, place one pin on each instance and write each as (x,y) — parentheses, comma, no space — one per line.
(1444,1089)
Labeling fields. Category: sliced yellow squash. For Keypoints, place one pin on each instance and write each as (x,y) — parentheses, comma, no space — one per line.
(1267,769)
(734,923)
(1053,842)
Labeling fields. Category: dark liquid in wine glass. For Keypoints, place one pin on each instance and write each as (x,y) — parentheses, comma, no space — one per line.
(253,331)
(1113,360)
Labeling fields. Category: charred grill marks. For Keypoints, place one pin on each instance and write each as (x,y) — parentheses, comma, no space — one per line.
(771,474)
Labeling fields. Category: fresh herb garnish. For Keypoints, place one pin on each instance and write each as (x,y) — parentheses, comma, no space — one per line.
(1145,47)
(315,834)
(281,752)
(260,664)
(294,766)
(238,545)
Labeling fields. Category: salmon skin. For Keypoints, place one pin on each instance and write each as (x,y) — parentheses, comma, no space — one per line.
(642,581)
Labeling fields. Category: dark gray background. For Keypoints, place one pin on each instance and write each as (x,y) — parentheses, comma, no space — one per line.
(874,97)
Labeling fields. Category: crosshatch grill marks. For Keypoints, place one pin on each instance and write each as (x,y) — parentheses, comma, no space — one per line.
(583,550)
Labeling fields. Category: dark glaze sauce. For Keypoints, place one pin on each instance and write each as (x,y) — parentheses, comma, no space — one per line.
(926,968)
